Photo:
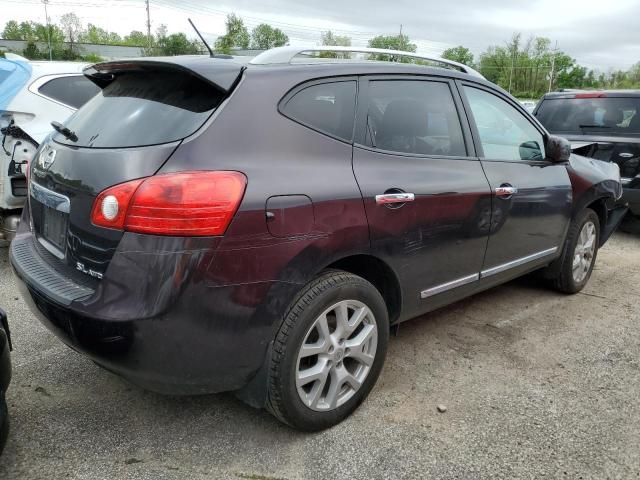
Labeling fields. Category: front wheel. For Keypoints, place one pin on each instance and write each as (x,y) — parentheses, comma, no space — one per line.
(329,351)
(580,251)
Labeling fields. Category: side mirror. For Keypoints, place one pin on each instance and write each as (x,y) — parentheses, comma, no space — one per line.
(530,151)
(558,149)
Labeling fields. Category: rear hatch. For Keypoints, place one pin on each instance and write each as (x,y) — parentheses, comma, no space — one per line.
(126,132)
(600,125)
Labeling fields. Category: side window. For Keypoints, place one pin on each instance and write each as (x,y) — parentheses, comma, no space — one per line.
(505,133)
(413,116)
(75,90)
(327,107)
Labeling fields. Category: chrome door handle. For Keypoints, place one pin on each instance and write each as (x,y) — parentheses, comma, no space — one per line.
(506,191)
(389,198)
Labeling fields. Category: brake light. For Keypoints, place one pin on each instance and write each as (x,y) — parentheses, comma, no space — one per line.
(178,204)
(591,95)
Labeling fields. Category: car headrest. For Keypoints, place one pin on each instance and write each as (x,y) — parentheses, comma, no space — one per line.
(404,117)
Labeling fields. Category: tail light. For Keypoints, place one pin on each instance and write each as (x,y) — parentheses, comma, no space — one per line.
(591,95)
(177,204)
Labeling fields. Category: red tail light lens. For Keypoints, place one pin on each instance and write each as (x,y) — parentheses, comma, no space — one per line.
(591,95)
(122,195)
(178,204)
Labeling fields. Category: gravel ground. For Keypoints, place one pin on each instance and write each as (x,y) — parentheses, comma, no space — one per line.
(536,384)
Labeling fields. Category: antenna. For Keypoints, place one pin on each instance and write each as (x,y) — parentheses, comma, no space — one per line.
(211,54)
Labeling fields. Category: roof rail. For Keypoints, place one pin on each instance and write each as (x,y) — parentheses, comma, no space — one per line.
(285,55)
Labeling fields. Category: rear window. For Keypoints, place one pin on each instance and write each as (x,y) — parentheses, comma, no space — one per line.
(327,107)
(72,90)
(584,116)
(143,108)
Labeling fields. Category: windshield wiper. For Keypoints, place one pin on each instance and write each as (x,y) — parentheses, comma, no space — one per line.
(593,126)
(62,130)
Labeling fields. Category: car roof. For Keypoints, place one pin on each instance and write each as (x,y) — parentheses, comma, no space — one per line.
(40,69)
(215,68)
(592,94)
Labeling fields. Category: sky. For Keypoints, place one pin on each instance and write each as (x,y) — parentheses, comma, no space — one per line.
(599,35)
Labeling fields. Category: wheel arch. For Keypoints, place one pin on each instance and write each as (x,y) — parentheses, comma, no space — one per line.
(381,276)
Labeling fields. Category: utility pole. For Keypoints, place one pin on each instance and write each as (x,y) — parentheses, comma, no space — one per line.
(148,25)
(46,17)
(513,58)
(553,66)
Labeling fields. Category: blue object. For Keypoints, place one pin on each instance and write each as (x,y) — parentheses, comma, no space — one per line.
(13,77)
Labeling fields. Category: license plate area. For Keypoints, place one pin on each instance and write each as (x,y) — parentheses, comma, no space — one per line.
(54,228)
(50,215)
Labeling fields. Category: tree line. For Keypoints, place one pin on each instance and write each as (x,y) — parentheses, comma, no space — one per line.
(67,36)
(527,68)
(530,68)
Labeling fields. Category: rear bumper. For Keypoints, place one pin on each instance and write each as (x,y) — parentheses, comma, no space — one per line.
(157,319)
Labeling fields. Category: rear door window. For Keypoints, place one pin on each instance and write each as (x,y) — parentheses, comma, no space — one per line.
(144,107)
(72,90)
(326,107)
(591,115)
(413,116)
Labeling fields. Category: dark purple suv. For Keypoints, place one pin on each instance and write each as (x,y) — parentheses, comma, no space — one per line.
(203,226)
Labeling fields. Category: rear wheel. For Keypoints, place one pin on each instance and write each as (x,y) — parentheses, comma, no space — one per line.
(580,251)
(329,351)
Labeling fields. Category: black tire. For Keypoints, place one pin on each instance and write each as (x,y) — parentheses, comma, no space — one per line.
(4,422)
(564,281)
(328,289)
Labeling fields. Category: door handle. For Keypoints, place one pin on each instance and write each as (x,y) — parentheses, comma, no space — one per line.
(390,198)
(506,191)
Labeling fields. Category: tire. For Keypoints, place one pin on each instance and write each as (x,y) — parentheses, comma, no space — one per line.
(4,422)
(568,280)
(351,372)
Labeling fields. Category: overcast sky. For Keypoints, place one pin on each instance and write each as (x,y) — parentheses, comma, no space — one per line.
(600,35)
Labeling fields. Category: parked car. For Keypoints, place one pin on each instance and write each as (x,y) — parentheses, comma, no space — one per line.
(5,376)
(32,95)
(203,226)
(529,105)
(604,125)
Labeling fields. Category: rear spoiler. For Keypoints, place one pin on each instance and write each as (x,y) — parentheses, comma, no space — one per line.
(222,74)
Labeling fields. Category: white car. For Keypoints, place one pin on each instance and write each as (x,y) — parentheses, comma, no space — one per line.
(32,95)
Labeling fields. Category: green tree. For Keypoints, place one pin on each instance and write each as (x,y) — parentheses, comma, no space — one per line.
(136,39)
(12,31)
(237,35)
(72,28)
(392,42)
(177,44)
(527,68)
(100,36)
(459,54)
(264,36)
(330,40)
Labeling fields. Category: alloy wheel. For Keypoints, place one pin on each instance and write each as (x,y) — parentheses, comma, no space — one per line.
(584,252)
(336,355)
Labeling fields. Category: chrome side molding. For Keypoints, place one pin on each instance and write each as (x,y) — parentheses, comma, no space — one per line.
(429,292)
(517,262)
